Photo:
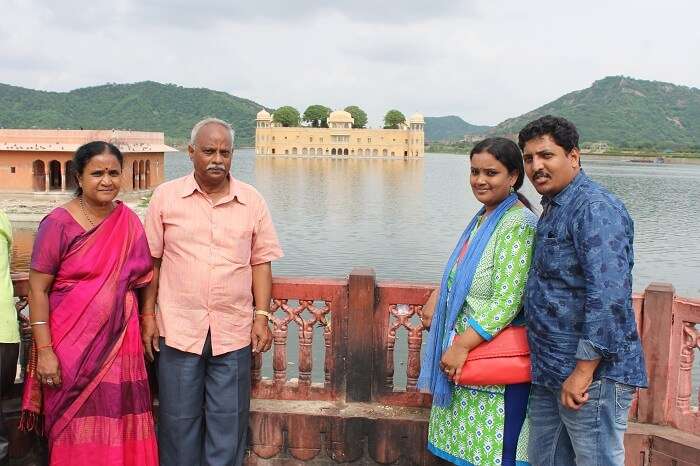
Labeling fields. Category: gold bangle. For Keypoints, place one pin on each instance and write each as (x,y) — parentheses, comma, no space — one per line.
(40,322)
(260,312)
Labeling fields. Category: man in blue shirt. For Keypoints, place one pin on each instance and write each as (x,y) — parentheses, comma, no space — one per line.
(586,354)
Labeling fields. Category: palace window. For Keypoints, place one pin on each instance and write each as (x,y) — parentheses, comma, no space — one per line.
(358,139)
(13,169)
(311,139)
(369,139)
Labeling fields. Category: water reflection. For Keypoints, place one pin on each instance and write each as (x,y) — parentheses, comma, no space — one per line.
(402,217)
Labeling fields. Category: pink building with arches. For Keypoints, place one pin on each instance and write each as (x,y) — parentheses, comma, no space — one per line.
(39,160)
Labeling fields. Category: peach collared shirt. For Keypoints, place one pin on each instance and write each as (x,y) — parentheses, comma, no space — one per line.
(207,250)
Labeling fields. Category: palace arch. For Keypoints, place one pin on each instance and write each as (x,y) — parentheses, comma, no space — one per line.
(55,176)
(39,176)
(148,174)
(135,176)
(142,174)
(71,181)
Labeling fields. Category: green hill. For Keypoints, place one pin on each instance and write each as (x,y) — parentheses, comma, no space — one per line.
(626,112)
(450,128)
(146,106)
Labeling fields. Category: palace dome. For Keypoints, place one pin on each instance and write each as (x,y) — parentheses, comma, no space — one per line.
(263,115)
(340,116)
(416,118)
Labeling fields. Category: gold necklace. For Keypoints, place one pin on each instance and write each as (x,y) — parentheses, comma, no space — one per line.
(82,207)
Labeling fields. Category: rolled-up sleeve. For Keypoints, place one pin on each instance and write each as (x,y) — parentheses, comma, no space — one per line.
(265,246)
(153,224)
(603,242)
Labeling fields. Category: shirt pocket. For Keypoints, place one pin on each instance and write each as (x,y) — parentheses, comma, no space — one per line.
(549,257)
(235,244)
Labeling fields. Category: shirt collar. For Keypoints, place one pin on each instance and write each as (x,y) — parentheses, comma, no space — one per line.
(565,195)
(235,191)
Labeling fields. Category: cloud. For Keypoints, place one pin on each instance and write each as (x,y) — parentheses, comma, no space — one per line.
(478,59)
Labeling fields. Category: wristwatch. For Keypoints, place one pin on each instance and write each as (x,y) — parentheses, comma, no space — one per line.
(260,312)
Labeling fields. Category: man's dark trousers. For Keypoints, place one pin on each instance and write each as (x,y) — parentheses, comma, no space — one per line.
(204,406)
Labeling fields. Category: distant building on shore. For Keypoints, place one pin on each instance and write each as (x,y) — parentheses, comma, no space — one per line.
(39,160)
(339,139)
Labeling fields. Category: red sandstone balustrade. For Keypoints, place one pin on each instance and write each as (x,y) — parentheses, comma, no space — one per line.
(305,304)
(365,325)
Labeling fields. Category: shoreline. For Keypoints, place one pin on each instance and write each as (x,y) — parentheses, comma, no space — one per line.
(336,157)
(25,210)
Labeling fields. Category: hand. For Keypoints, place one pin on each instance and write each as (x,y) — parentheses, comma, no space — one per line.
(574,391)
(150,336)
(261,336)
(426,316)
(453,360)
(48,370)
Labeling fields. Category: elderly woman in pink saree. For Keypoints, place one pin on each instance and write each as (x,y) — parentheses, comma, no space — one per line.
(87,386)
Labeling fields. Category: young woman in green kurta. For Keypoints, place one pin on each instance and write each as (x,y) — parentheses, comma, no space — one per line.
(487,425)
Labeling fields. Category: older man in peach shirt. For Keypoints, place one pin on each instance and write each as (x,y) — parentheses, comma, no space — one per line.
(212,240)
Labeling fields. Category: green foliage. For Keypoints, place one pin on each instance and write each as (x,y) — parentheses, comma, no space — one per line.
(450,128)
(393,119)
(359,116)
(144,106)
(460,147)
(626,112)
(286,116)
(317,116)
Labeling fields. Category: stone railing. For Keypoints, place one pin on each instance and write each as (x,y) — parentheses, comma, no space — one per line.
(340,381)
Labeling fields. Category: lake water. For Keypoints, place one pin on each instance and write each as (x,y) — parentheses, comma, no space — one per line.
(402,217)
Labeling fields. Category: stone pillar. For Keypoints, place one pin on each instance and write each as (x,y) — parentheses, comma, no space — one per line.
(657,324)
(48,179)
(360,335)
(64,172)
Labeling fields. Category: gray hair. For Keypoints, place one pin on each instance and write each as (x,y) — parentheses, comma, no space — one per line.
(208,121)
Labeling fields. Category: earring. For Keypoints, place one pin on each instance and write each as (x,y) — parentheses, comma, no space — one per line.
(512,190)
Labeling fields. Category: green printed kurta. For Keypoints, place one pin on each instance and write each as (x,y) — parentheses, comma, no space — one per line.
(470,430)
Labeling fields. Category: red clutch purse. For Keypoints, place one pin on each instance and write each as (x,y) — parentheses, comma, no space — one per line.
(504,360)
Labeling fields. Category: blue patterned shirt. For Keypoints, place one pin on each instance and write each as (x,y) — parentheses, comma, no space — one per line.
(578,298)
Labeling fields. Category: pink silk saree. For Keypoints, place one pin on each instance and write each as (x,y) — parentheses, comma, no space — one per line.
(101,413)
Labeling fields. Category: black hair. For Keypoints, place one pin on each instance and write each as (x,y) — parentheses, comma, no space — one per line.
(87,151)
(507,152)
(560,129)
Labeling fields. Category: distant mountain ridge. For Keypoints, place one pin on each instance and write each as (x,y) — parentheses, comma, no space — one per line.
(450,128)
(625,112)
(622,111)
(145,106)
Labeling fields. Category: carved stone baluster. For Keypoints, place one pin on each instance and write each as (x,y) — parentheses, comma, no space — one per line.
(279,357)
(328,359)
(415,340)
(256,369)
(279,338)
(685,366)
(306,333)
(391,343)
(25,335)
(689,343)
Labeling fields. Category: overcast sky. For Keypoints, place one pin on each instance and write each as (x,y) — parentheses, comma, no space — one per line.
(482,60)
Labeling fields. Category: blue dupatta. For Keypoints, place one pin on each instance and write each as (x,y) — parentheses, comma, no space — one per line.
(451,301)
